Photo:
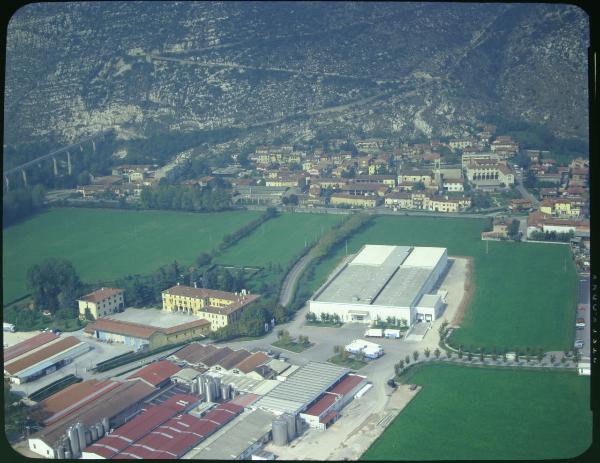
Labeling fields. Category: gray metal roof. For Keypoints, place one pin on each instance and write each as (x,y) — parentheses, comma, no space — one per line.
(245,431)
(428,300)
(302,387)
(404,287)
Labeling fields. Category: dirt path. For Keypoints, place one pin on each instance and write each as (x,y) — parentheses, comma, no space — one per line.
(468,295)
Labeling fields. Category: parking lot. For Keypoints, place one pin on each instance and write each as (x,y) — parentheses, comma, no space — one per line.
(583,311)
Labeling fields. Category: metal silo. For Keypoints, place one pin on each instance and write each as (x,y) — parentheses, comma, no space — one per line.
(73,440)
(217,383)
(225,392)
(193,387)
(67,455)
(299,425)
(81,436)
(94,433)
(60,452)
(88,439)
(210,391)
(100,429)
(280,433)
(200,382)
(105,425)
(291,426)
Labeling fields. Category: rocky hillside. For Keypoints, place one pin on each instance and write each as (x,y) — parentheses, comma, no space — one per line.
(292,70)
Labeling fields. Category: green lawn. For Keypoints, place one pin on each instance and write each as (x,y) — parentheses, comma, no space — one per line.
(105,243)
(466,413)
(349,362)
(523,295)
(291,346)
(278,240)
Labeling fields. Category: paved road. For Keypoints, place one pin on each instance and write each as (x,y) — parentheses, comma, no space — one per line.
(583,297)
(287,289)
(526,194)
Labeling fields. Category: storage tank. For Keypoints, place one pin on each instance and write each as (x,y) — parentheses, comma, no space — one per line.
(225,391)
(73,440)
(88,439)
(100,429)
(60,452)
(200,382)
(291,426)
(81,435)
(280,433)
(94,433)
(217,383)
(299,425)
(105,425)
(210,391)
(194,387)
(67,455)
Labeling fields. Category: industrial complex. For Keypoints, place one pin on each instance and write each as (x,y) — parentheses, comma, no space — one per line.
(384,281)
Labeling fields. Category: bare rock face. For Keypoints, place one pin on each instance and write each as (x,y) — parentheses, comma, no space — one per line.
(401,69)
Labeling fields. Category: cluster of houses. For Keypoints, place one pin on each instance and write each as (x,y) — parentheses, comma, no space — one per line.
(125,180)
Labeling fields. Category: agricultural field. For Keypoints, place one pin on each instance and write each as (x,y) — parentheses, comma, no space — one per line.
(467,413)
(524,292)
(278,240)
(104,244)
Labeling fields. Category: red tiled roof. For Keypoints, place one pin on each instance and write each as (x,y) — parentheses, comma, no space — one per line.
(327,418)
(100,294)
(137,330)
(28,345)
(215,357)
(245,400)
(233,359)
(347,384)
(42,354)
(156,372)
(250,363)
(321,405)
(194,353)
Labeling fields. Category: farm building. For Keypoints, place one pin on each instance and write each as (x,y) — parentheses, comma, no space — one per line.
(43,356)
(218,307)
(157,374)
(384,281)
(101,302)
(153,328)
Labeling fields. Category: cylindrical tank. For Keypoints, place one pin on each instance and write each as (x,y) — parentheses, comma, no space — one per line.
(224,392)
(217,383)
(210,394)
(291,426)
(100,429)
(105,425)
(60,452)
(73,440)
(194,387)
(81,435)
(280,433)
(88,439)
(299,425)
(94,432)
(200,382)
(67,455)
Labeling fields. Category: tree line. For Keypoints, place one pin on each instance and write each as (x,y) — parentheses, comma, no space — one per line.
(21,203)
(185,198)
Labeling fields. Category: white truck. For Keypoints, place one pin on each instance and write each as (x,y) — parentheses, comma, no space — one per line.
(392,334)
(8,327)
(374,333)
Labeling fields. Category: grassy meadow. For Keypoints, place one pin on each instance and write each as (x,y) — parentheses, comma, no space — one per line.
(467,413)
(106,243)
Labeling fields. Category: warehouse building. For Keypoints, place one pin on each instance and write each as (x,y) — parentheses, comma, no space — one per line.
(148,334)
(384,281)
(246,435)
(302,388)
(106,407)
(29,345)
(44,359)
(157,374)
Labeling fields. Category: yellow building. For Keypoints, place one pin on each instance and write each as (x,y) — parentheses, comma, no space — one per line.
(560,208)
(220,308)
(353,200)
(102,302)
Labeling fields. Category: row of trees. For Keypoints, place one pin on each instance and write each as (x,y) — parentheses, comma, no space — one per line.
(21,203)
(338,233)
(232,238)
(185,198)
(552,236)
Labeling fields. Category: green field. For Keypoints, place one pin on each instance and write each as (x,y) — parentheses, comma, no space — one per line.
(278,240)
(524,292)
(105,243)
(466,413)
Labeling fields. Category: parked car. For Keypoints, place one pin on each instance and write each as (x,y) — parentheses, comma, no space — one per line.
(579,344)
(579,327)
(412,387)
(392,383)
(580,322)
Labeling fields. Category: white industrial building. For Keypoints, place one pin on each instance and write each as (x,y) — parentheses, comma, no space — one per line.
(384,281)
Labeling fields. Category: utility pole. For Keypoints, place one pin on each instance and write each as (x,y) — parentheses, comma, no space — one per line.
(487,246)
